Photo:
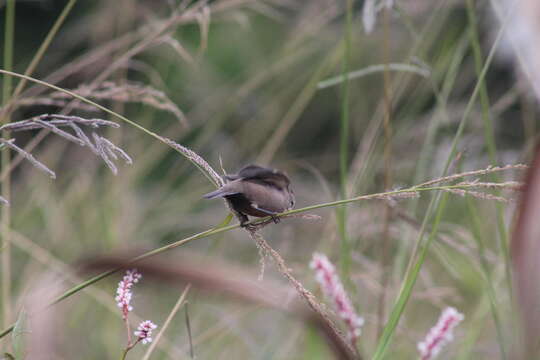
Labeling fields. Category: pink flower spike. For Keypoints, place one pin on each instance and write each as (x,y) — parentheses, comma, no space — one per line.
(326,275)
(123,293)
(144,331)
(441,334)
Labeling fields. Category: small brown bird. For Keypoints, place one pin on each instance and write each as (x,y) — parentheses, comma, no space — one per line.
(256,191)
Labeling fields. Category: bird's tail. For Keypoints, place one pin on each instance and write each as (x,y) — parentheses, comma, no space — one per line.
(219,193)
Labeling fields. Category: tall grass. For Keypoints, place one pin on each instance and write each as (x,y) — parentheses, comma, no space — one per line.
(6,184)
(232,82)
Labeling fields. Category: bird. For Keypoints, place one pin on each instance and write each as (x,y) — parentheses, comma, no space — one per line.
(256,191)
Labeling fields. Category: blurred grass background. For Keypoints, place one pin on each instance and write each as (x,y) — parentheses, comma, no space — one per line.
(249,92)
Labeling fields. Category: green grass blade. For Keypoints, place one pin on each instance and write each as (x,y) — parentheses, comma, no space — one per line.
(408,285)
(404,294)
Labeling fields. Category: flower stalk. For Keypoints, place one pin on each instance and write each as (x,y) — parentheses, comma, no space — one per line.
(440,335)
(123,297)
(331,285)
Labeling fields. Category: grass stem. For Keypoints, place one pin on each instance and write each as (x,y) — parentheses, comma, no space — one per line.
(5,248)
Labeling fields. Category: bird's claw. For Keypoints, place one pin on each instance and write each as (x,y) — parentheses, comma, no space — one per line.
(246,225)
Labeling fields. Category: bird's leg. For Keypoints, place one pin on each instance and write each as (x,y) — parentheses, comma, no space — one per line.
(243,219)
(246,225)
(275,219)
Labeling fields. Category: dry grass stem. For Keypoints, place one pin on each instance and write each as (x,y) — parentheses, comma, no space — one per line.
(108,90)
(259,225)
(302,291)
(102,147)
(181,301)
(48,101)
(510,185)
(477,194)
(107,150)
(57,121)
(262,259)
(188,328)
(59,132)
(203,19)
(308,217)
(197,160)
(177,47)
(488,170)
(37,164)
(397,196)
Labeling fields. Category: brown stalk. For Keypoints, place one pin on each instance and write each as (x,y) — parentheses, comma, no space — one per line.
(387,125)
(525,250)
(310,299)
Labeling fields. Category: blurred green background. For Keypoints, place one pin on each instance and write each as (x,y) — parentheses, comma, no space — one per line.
(245,73)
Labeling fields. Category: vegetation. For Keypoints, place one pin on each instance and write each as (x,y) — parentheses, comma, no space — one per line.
(403,128)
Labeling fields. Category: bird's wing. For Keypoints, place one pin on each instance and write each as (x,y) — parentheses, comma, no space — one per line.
(253,171)
(219,193)
(231,188)
(263,197)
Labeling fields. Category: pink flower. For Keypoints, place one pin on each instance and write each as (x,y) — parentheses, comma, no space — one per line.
(326,275)
(144,331)
(123,293)
(441,334)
